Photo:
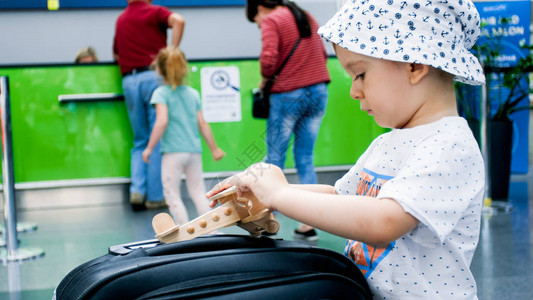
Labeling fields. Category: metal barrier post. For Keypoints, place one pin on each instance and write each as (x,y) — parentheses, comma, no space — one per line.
(12,251)
(485,111)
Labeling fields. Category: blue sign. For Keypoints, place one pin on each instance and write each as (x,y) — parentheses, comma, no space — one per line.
(508,36)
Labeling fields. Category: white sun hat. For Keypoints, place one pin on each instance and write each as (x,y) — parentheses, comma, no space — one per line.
(438,33)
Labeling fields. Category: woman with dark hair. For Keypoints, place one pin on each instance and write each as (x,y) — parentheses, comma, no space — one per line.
(299,94)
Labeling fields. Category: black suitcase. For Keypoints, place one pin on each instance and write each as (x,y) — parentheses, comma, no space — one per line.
(216,267)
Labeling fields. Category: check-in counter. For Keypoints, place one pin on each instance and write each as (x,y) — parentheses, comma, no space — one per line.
(70,124)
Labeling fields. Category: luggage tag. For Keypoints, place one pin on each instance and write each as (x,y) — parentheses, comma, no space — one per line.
(245,212)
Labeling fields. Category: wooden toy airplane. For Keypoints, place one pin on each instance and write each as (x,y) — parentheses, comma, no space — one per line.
(247,213)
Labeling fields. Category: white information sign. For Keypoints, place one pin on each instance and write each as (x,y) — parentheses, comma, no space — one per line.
(221,95)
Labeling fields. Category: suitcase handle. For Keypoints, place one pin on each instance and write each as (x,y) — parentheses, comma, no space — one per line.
(204,244)
(221,242)
(128,247)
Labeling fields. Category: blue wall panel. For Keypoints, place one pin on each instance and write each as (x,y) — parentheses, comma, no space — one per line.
(43,4)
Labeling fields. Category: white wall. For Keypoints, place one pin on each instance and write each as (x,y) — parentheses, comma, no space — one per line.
(35,37)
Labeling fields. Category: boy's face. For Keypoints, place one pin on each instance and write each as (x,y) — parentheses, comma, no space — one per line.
(382,87)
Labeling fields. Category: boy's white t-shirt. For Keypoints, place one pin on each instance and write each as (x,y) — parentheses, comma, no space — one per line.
(436,173)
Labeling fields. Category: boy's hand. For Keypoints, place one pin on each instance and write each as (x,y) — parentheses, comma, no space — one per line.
(264,181)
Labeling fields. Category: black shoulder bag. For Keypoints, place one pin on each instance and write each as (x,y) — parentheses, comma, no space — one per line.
(261,98)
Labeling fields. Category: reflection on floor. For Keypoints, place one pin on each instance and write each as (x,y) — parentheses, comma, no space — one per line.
(502,265)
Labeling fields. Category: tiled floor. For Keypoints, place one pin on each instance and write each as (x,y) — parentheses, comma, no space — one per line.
(502,265)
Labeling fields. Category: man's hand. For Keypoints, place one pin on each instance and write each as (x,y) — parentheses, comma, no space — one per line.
(177,23)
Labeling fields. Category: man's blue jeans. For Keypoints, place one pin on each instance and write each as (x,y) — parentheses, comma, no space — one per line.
(145,178)
(298,112)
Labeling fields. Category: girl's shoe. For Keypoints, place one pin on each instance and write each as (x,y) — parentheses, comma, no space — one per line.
(155,204)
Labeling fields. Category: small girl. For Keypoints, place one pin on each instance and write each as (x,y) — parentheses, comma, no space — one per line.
(179,123)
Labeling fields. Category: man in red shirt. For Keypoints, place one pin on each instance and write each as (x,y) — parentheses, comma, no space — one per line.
(140,32)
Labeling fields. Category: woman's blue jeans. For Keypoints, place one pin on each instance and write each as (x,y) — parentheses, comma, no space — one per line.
(297,113)
(145,178)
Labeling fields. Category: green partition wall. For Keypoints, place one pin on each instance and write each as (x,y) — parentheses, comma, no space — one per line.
(92,139)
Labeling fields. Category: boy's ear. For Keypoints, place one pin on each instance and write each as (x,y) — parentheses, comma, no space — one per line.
(417,72)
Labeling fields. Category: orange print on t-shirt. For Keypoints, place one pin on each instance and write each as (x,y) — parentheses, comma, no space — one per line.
(365,256)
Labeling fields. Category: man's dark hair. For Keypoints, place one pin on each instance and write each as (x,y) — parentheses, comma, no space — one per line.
(302,20)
